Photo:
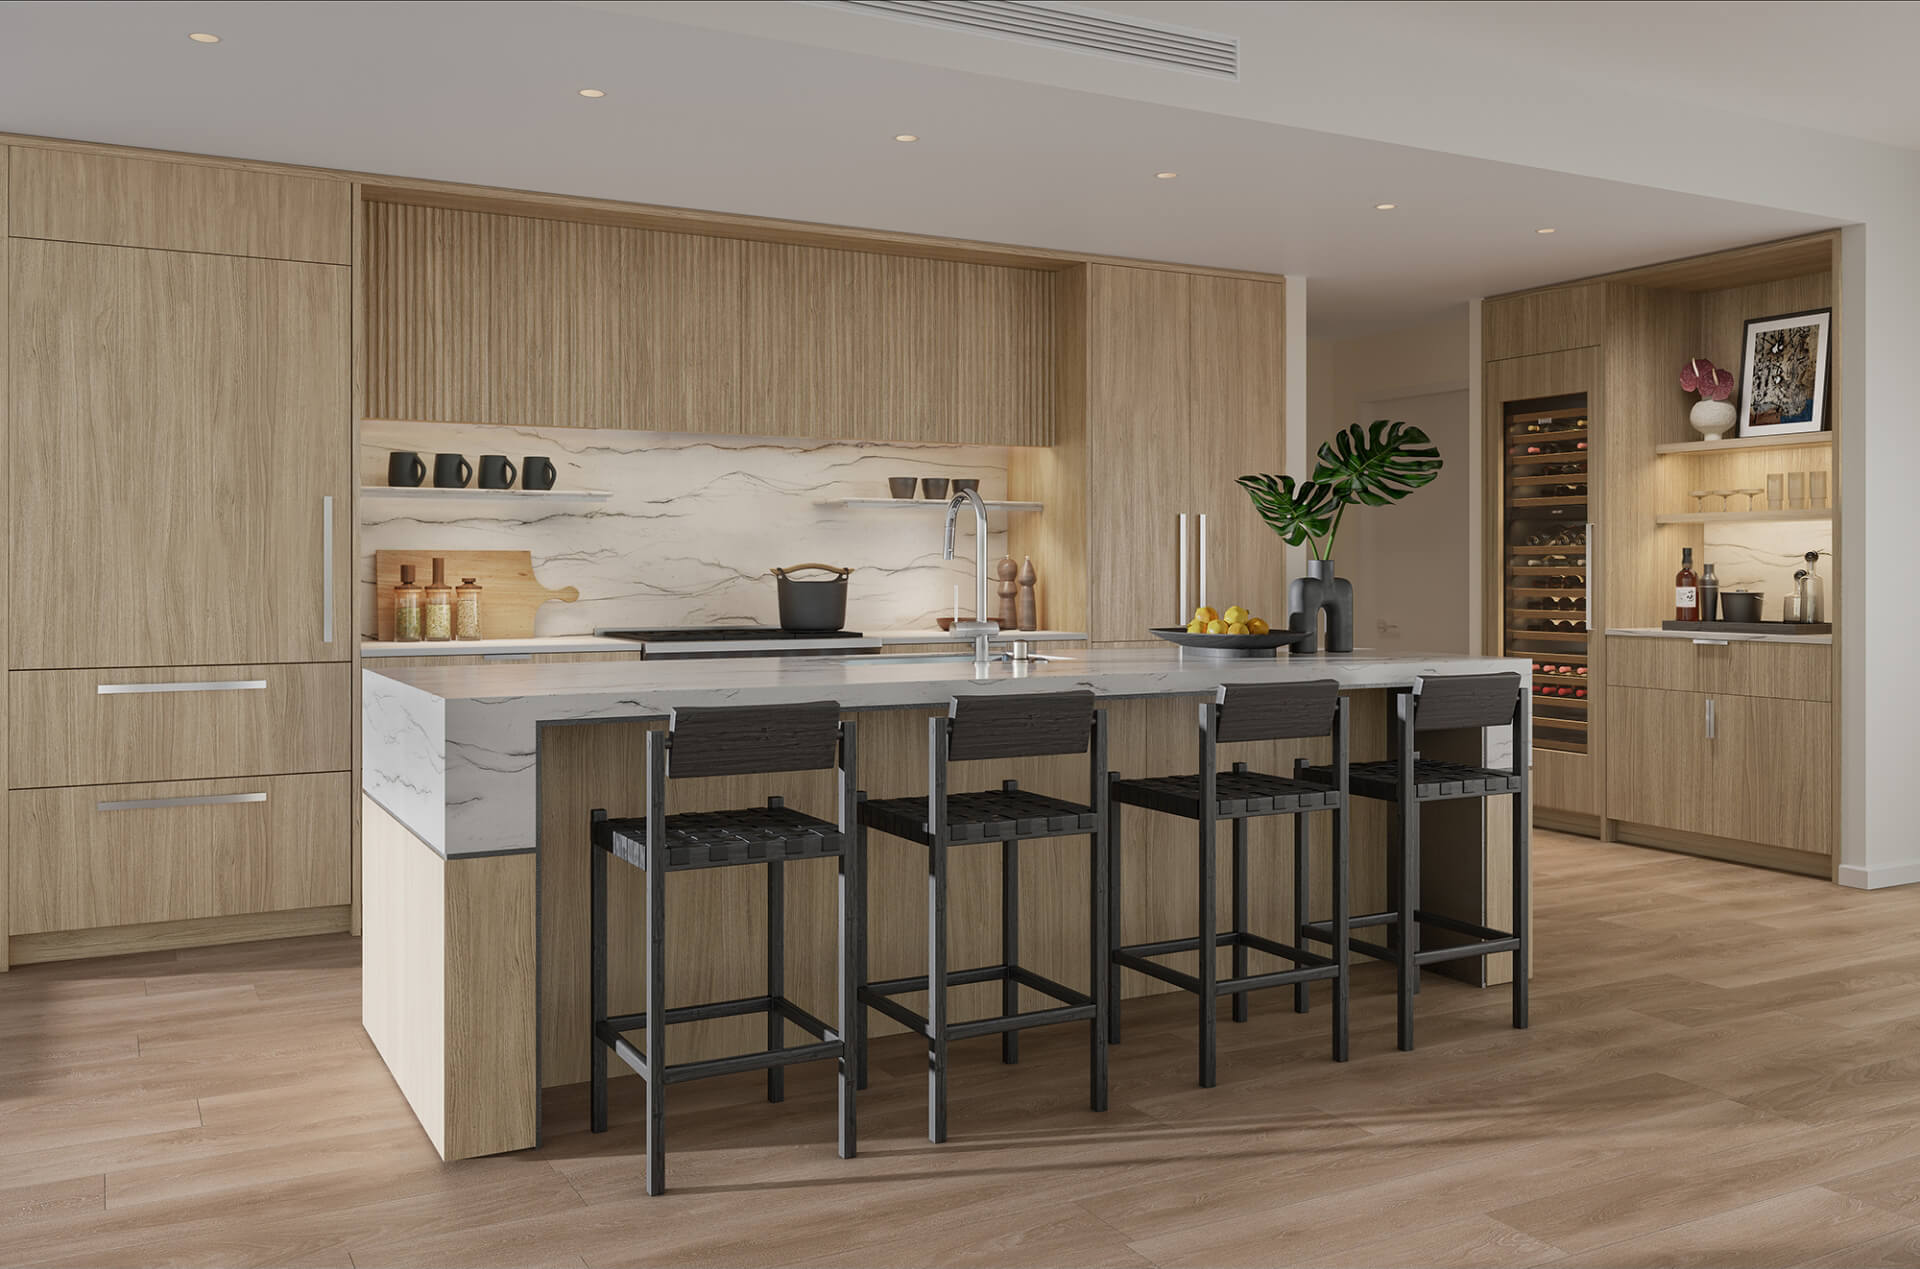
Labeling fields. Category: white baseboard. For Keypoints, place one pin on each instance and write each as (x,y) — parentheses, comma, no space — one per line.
(1879,877)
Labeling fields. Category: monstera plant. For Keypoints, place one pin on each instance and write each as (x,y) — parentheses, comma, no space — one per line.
(1375,467)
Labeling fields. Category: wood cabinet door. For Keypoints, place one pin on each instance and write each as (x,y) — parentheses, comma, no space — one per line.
(1237,358)
(1662,770)
(1775,773)
(178,422)
(1139,448)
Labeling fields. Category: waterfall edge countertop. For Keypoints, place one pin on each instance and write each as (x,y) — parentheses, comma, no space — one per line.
(451,751)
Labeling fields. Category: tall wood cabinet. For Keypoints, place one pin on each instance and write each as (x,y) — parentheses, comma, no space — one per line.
(180,509)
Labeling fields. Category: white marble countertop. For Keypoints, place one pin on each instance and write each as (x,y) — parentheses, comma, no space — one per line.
(937,635)
(497,647)
(451,751)
(1733,636)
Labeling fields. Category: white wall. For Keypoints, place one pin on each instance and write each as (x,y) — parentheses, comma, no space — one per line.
(1410,564)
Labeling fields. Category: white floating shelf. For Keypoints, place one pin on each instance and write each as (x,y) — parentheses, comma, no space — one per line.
(926,504)
(429,493)
(1715,517)
(1793,440)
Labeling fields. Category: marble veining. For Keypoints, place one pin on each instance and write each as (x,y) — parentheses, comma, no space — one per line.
(1763,554)
(467,737)
(694,523)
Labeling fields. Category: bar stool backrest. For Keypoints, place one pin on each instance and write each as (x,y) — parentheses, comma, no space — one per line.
(748,739)
(1465,700)
(1018,726)
(1276,711)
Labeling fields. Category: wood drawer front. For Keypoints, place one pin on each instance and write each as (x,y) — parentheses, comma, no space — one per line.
(182,723)
(1564,782)
(1545,321)
(122,854)
(124,202)
(1788,671)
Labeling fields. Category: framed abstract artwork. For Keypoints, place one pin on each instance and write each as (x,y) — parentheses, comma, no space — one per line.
(1784,372)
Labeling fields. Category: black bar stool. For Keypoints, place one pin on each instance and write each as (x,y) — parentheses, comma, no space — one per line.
(716,742)
(1244,712)
(986,727)
(1439,703)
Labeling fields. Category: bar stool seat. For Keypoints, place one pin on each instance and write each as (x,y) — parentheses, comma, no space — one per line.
(712,839)
(1236,794)
(1006,814)
(1433,780)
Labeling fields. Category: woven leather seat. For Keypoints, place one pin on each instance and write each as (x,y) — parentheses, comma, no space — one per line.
(711,839)
(996,815)
(1433,780)
(1236,794)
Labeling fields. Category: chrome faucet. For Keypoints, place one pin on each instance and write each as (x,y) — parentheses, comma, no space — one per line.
(982,628)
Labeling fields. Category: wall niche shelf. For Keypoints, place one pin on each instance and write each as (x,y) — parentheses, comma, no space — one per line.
(923,504)
(1717,517)
(429,493)
(1732,443)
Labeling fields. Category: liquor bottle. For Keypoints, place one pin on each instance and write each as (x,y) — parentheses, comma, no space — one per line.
(1686,589)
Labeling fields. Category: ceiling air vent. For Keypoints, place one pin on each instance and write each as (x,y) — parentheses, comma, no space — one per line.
(1083,29)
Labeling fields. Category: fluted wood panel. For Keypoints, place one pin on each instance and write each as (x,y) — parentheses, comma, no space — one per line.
(430,304)
(550,323)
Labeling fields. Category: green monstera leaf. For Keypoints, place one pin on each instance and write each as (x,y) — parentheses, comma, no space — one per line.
(1298,512)
(1377,466)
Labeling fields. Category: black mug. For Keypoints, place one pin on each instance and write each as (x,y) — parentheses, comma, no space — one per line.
(451,471)
(496,472)
(537,473)
(405,470)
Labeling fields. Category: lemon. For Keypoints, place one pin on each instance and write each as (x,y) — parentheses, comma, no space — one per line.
(1196,626)
(1239,627)
(1205,614)
(1216,626)
(1257,626)
(1236,614)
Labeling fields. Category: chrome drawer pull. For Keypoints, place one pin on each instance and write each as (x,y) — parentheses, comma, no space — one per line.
(212,799)
(1710,643)
(221,685)
(326,569)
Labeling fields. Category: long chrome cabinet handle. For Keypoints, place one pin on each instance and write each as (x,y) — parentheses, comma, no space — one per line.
(218,685)
(1203,560)
(326,569)
(1710,735)
(1186,547)
(1711,643)
(211,799)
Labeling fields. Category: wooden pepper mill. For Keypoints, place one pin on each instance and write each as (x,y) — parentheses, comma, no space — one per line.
(1029,605)
(1007,589)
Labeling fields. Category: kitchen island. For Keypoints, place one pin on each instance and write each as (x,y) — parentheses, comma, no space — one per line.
(477,783)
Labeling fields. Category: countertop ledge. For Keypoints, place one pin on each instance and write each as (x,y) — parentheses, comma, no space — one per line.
(603,643)
(1714,636)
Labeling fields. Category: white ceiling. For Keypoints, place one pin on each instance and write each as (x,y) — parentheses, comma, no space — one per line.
(733,120)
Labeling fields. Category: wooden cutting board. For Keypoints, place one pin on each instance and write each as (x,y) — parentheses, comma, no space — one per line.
(509,598)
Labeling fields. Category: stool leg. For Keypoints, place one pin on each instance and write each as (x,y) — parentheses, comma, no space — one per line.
(1340,884)
(1099,936)
(849,911)
(1521,888)
(597,942)
(1301,890)
(1009,944)
(937,992)
(1409,973)
(776,974)
(1209,960)
(1114,927)
(1240,917)
(858,1018)
(656,1015)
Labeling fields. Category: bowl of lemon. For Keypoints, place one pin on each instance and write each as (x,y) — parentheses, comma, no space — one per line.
(1232,632)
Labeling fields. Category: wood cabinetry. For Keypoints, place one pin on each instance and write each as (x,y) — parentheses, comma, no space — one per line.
(178,426)
(81,196)
(550,323)
(1542,321)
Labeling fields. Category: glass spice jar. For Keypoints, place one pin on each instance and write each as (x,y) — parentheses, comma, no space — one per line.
(438,618)
(466,609)
(406,608)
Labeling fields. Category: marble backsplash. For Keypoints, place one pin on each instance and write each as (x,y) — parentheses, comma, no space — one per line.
(1763,554)
(694,523)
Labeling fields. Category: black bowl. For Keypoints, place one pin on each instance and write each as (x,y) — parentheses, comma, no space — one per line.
(1236,643)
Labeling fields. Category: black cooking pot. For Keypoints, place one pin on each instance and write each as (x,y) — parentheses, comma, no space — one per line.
(815,605)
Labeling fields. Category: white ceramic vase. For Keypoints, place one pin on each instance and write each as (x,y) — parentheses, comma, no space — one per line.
(1711,418)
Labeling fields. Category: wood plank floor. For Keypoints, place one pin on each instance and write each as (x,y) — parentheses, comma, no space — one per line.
(1724,1068)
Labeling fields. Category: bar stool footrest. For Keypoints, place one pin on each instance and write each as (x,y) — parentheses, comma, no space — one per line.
(1308,966)
(609,1031)
(1487,941)
(1074,1006)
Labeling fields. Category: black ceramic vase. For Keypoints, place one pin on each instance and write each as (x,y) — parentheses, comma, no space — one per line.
(1320,591)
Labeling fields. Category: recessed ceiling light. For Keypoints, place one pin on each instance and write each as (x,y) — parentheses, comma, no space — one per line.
(1543,231)
(591,92)
(202,37)
(1164,176)
(906,136)
(1385,206)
